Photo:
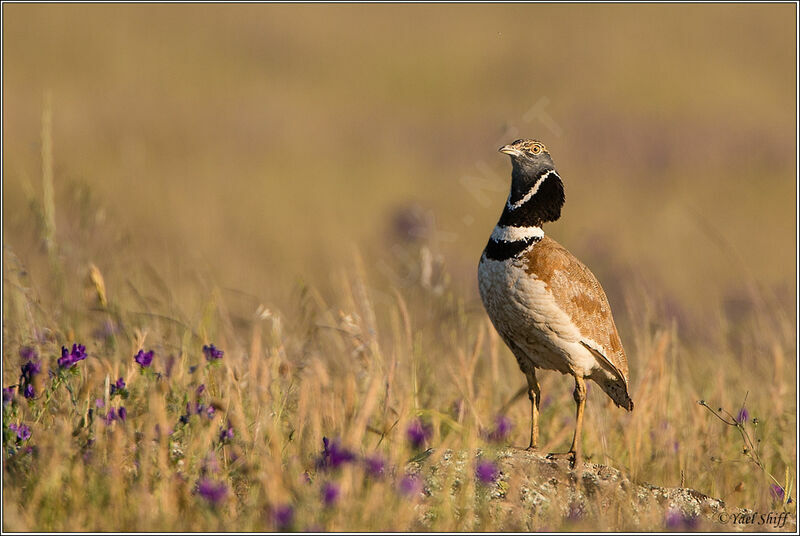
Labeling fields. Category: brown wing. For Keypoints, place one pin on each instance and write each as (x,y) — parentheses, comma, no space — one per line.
(578,293)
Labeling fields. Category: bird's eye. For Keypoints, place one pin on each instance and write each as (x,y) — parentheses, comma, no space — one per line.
(536,149)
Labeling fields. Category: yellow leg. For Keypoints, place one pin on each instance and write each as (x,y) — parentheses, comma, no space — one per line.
(535,396)
(580,401)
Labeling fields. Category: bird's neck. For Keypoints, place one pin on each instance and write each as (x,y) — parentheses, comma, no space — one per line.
(534,199)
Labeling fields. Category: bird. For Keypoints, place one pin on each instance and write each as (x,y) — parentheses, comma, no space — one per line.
(547,306)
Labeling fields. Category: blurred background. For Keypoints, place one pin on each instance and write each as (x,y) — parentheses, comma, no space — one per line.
(262,142)
(253,152)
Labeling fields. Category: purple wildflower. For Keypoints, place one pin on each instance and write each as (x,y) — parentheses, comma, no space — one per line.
(502,427)
(23,431)
(486,472)
(210,412)
(226,432)
(144,358)
(212,353)
(111,416)
(334,455)
(410,485)
(200,389)
(674,519)
(122,413)
(99,402)
(31,369)
(743,416)
(330,493)
(690,522)
(69,358)
(29,391)
(65,361)
(284,515)
(375,466)
(8,395)
(776,492)
(418,433)
(28,353)
(118,385)
(213,492)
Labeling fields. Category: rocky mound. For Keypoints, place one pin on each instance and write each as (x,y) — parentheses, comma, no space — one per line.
(531,492)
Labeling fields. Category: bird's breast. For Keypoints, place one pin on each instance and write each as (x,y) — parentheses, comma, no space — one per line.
(525,313)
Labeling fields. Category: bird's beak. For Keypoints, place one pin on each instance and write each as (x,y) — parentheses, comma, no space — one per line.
(509,150)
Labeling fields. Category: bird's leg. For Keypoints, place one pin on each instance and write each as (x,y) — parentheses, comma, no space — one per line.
(535,396)
(580,401)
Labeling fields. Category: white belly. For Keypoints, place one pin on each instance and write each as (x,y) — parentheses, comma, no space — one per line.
(526,315)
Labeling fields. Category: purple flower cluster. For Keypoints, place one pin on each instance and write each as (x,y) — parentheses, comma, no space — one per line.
(23,431)
(330,493)
(375,466)
(226,432)
(117,387)
(30,369)
(418,433)
(212,353)
(486,472)
(502,427)
(743,416)
(69,358)
(144,359)
(201,409)
(212,491)
(776,492)
(116,414)
(410,485)
(283,515)
(334,455)
(8,394)
(674,519)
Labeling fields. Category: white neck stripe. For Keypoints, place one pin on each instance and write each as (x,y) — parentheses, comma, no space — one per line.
(531,192)
(514,234)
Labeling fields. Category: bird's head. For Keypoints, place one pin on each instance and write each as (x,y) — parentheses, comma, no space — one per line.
(528,156)
(537,193)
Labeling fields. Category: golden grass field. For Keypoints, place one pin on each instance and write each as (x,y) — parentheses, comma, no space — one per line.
(309,188)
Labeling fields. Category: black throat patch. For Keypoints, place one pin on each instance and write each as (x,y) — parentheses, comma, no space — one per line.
(500,250)
(542,206)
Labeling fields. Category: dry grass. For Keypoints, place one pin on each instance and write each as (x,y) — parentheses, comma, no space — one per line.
(242,176)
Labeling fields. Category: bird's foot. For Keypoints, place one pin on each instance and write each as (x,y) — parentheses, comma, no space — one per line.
(574,460)
(532,448)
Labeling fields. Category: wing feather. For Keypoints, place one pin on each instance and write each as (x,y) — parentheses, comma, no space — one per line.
(578,293)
